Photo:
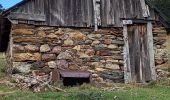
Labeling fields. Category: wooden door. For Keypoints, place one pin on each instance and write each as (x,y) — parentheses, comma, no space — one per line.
(139,53)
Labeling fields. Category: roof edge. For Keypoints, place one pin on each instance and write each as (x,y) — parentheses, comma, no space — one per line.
(7,11)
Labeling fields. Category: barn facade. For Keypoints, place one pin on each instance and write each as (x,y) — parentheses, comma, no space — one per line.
(114,40)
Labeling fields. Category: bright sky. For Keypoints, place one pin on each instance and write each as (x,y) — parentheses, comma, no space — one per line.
(8,3)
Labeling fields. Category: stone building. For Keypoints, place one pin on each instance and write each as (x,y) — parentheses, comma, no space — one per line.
(114,40)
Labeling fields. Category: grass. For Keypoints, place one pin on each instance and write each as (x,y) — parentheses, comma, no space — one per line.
(156,92)
(2,64)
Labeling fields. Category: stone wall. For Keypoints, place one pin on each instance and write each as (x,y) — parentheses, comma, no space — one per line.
(161,51)
(45,48)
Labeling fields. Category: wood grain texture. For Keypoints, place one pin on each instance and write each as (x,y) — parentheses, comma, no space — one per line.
(80,13)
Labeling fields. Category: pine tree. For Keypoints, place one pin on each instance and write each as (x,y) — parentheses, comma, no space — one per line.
(164,6)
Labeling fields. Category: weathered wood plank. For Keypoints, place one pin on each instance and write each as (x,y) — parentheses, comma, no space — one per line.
(127,69)
(151,50)
(26,16)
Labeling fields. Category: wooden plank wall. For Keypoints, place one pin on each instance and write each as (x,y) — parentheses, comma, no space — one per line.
(79,13)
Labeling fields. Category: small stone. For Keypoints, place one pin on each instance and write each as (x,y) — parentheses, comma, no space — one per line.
(45,48)
(90,52)
(64,55)
(79,36)
(74,67)
(118,42)
(52,64)
(29,39)
(38,64)
(22,32)
(64,37)
(88,42)
(108,41)
(33,48)
(97,65)
(99,69)
(96,42)
(62,64)
(41,34)
(95,75)
(94,36)
(18,48)
(59,32)
(48,57)
(84,68)
(27,57)
(68,42)
(105,53)
(52,36)
(22,67)
(111,46)
(77,48)
(57,49)
(100,47)
(112,66)
(83,55)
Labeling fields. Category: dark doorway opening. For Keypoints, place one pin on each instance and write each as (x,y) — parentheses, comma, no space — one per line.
(73,78)
(73,81)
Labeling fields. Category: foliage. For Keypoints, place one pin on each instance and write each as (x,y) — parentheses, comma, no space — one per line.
(1,8)
(164,6)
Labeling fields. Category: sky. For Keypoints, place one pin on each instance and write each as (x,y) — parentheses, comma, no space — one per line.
(8,3)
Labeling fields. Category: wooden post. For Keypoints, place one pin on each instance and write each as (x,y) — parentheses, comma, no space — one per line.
(127,69)
(144,8)
(151,50)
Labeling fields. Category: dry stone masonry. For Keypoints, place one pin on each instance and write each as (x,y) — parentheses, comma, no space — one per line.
(161,52)
(42,49)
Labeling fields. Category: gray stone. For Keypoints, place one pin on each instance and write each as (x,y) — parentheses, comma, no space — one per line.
(45,48)
(37,65)
(118,42)
(88,42)
(115,76)
(64,55)
(100,47)
(22,67)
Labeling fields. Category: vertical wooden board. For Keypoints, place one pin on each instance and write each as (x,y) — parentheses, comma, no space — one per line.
(151,50)
(127,69)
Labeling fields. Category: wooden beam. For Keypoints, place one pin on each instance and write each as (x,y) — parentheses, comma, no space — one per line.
(126,56)
(144,8)
(151,50)
(25,16)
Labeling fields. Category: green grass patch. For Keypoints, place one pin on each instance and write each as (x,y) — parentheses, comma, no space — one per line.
(151,92)
(2,65)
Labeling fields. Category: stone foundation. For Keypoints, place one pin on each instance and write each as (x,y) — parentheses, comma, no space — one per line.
(161,51)
(42,48)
